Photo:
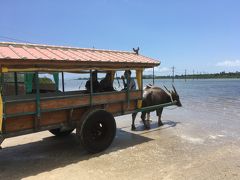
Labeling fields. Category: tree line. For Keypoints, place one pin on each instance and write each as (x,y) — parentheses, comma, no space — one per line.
(221,75)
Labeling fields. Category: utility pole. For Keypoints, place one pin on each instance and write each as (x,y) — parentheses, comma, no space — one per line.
(185,75)
(153,76)
(173,68)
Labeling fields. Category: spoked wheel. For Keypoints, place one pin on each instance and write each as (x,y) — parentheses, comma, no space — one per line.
(97,131)
(61,132)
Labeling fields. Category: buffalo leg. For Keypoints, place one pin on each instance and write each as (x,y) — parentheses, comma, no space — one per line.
(159,114)
(143,117)
(148,120)
(133,121)
(148,116)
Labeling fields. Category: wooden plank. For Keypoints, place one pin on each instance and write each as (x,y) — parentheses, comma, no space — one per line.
(66,102)
(77,113)
(21,107)
(24,107)
(19,123)
(56,64)
(56,117)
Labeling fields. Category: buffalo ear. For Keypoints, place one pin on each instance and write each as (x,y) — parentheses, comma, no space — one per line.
(148,86)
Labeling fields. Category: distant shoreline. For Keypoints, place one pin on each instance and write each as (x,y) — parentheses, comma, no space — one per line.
(170,78)
(221,75)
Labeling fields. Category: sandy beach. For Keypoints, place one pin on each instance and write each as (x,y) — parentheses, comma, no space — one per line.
(67,65)
(181,149)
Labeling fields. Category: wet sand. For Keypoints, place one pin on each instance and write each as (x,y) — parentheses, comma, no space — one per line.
(181,149)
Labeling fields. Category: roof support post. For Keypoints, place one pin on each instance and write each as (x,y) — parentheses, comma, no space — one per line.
(128,92)
(16,83)
(153,76)
(38,108)
(140,85)
(63,86)
(3,107)
(91,87)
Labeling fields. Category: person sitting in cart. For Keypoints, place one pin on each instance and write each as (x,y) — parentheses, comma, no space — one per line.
(132,84)
(95,83)
(106,83)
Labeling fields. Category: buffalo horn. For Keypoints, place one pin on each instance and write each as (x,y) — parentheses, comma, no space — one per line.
(167,89)
(174,89)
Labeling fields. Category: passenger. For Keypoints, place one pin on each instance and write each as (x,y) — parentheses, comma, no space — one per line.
(132,84)
(106,83)
(95,83)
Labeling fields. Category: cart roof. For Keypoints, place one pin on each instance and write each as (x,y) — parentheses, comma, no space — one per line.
(23,56)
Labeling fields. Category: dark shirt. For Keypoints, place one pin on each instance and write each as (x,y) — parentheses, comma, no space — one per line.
(106,85)
(95,84)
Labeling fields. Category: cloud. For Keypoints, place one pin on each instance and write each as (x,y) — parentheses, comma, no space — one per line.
(159,69)
(235,63)
(163,69)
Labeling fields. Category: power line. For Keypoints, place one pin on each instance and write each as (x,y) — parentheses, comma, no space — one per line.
(173,68)
(185,75)
(14,39)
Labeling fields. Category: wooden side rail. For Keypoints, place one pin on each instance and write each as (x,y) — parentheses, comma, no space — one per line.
(66,102)
(56,111)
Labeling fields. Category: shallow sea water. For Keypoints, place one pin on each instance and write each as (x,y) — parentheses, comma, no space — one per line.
(198,141)
(210,104)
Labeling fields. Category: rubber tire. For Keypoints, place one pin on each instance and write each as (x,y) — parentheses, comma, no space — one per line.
(57,132)
(97,131)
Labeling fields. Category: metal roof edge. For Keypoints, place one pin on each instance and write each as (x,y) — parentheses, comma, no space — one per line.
(62,47)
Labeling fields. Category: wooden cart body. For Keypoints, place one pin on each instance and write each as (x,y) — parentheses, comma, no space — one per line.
(57,110)
(27,113)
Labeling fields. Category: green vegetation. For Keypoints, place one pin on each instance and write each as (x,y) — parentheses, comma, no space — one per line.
(221,75)
(45,80)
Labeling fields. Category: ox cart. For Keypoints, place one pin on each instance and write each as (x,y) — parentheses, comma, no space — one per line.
(27,106)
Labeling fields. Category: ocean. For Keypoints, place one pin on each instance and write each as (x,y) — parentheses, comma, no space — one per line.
(210,104)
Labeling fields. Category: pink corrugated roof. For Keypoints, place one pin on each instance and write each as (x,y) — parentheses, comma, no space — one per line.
(10,50)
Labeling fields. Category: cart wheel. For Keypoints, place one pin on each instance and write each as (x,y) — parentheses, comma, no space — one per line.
(61,133)
(97,130)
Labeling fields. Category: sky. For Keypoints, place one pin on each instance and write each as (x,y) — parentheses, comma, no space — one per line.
(201,36)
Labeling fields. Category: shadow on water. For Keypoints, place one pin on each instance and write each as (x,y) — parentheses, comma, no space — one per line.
(52,152)
(154,126)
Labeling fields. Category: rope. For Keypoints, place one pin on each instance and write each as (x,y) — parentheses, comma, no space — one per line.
(170,108)
(80,85)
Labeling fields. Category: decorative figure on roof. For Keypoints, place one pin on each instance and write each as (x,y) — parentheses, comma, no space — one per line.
(136,50)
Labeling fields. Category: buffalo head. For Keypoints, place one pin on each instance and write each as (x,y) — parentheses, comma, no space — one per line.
(174,95)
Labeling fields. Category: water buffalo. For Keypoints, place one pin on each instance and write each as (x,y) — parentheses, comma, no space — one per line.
(153,96)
